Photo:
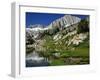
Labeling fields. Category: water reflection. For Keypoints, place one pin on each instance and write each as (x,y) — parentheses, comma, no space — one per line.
(34,60)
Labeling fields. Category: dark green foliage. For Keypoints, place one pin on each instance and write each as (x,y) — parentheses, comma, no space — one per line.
(29,49)
(55,29)
(83,26)
(30,41)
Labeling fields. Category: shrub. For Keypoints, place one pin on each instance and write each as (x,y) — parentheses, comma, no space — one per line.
(83,26)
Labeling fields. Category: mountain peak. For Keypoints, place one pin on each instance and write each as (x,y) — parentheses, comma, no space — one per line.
(36,26)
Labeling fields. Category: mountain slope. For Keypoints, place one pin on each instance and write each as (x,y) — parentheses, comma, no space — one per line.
(64,41)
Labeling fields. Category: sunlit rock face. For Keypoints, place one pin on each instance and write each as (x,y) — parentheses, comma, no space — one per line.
(65,21)
(37,31)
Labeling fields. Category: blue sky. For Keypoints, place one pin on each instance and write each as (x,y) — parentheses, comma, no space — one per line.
(44,18)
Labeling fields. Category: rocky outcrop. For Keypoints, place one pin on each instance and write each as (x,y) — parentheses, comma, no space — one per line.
(37,31)
(65,21)
(79,38)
